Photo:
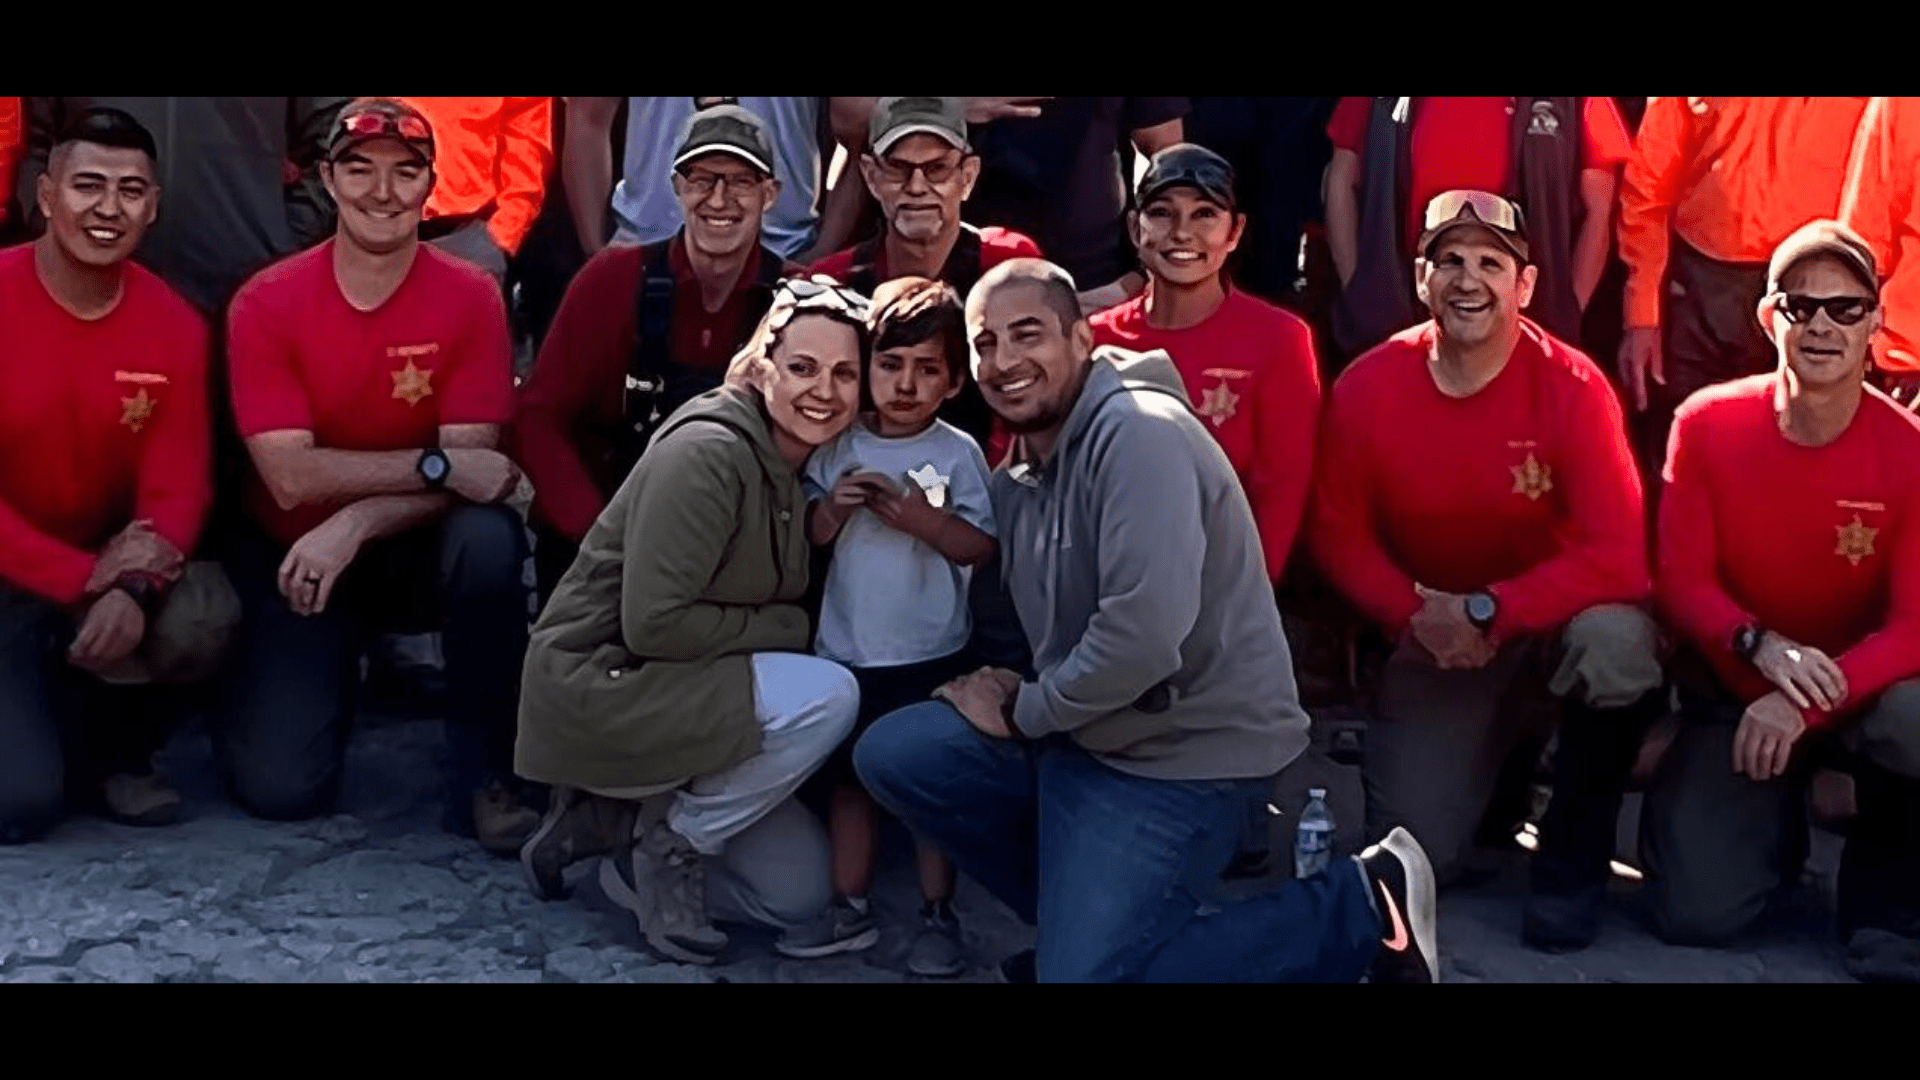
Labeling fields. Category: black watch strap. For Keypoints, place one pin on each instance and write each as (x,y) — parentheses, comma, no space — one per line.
(141,588)
(1747,640)
(434,467)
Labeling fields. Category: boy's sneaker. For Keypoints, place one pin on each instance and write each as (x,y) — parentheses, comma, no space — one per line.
(937,951)
(1403,891)
(840,928)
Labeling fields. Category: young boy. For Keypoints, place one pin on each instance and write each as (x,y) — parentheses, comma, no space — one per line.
(903,497)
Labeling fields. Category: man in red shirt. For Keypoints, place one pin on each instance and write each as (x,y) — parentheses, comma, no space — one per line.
(1557,157)
(1790,564)
(645,328)
(1477,502)
(370,380)
(104,486)
(1248,364)
(921,168)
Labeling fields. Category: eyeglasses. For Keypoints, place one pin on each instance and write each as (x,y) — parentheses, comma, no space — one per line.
(1843,310)
(900,173)
(703,182)
(362,124)
(1488,209)
(806,292)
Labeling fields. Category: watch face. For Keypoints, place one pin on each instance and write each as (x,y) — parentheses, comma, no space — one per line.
(434,467)
(1480,607)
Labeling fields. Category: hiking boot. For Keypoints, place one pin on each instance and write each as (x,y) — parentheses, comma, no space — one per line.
(502,821)
(937,951)
(1555,923)
(663,881)
(840,928)
(1875,955)
(1402,881)
(144,799)
(579,825)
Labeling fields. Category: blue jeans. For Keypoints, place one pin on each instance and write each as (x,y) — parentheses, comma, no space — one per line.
(1121,875)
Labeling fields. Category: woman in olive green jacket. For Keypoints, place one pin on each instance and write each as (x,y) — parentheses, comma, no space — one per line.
(667,695)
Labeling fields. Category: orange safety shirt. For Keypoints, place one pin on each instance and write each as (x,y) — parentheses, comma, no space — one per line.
(1879,202)
(13,143)
(495,150)
(1733,176)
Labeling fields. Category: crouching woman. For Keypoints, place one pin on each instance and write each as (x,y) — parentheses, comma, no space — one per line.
(667,695)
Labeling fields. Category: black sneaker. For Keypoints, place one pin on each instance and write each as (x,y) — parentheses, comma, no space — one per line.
(1402,880)
(1563,923)
(938,951)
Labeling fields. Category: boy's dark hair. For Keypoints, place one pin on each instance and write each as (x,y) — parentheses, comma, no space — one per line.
(104,126)
(912,310)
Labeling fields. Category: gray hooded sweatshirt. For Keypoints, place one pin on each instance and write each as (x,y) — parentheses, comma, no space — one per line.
(1135,565)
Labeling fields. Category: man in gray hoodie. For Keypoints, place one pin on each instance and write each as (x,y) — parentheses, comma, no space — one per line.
(1103,795)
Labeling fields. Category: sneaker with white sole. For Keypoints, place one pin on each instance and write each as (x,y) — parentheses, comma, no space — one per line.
(1401,878)
(663,881)
(840,928)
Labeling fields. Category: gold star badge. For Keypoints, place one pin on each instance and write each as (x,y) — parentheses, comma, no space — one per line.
(1218,404)
(135,411)
(411,384)
(1532,479)
(1855,540)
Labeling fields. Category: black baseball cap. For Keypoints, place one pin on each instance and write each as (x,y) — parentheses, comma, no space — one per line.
(1450,210)
(895,118)
(727,129)
(1825,237)
(1188,165)
(368,119)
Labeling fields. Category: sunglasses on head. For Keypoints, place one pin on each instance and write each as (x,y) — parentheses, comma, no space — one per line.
(363,124)
(1488,209)
(1843,310)
(805,293)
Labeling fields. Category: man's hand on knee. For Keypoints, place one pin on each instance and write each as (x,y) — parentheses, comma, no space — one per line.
(1764,742)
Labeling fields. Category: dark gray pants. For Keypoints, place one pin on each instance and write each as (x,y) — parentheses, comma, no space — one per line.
(61,729)
(1718,845)
(474,243)
(1438,739)
(292,681)
(1710,334)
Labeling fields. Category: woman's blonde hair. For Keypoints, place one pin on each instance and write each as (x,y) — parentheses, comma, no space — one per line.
(749,368)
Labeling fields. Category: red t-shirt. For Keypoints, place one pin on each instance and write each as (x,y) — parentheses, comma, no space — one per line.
(302,358)
(102,423)
(1250,372)
(1525,488)
(1466,142)
(1821,544)
(997,245)
(566,413)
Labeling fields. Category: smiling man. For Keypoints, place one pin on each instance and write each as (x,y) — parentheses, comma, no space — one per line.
(370,380)
(644,329)
(104,487)
(1790,563)
(1103,795)
(1476,501)
(921,168)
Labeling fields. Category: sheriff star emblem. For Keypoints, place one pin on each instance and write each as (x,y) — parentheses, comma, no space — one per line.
(411,384)
(1855,540)
(931,482)
(1219,403)
(135,411)
(1530,478)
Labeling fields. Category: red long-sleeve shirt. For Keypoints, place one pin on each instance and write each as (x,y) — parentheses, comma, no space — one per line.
(13,145)
(1251,374)
(1821,544)
(566,412)
(102,423)
(1525,488)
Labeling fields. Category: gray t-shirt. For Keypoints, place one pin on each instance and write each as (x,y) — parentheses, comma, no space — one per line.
(644,206)
(892,599)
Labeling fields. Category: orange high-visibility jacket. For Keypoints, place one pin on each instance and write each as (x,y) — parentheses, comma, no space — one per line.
(1879,202)
(13,143)
(495,150)
(1732,176)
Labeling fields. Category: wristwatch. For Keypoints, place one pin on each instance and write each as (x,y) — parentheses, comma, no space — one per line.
(1482,609)
(434,467)
(1746,641)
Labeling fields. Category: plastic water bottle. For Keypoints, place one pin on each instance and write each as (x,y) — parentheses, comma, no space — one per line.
(1313,837)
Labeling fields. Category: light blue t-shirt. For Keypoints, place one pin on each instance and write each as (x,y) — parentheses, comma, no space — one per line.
(644,206)
(892,599)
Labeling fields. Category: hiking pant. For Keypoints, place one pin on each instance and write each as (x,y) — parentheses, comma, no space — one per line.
(1437,740)
(1121,875)
(1709,334)
(1719,845)
(292,682)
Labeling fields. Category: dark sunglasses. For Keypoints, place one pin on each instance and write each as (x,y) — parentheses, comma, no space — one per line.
(900,173)
(1843,310)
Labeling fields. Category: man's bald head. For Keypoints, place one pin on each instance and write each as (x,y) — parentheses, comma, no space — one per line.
(1057,288)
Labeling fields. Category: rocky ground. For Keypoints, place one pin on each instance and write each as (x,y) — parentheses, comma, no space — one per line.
(377,893)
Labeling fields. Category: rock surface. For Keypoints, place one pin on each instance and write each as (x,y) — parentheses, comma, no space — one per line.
(377,893)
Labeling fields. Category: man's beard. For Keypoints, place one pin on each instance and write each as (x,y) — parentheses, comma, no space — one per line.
(1049,416)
